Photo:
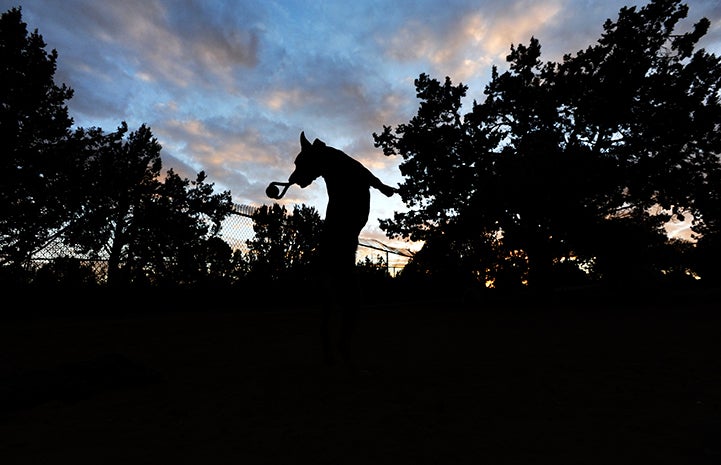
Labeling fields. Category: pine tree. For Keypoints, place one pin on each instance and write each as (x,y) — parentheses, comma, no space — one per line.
(34,123)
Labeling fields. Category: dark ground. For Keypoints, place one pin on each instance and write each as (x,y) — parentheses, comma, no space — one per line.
(609,383)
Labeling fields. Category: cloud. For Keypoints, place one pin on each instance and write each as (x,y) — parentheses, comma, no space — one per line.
(181,44)
(233,155)
(463,44)
(463,39)
(120,51)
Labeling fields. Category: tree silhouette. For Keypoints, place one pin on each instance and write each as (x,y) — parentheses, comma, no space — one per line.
(625,132)
(284,246)
(177,230)
(101,194)
(707,223)
(34,122)
(154,230)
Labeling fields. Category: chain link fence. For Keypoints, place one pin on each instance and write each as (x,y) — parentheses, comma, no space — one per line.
(235,230)
(238,228)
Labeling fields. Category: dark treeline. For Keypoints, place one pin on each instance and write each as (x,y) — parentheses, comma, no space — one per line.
(567,172)
(563,175)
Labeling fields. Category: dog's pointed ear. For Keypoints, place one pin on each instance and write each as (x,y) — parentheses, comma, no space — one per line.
(304,144)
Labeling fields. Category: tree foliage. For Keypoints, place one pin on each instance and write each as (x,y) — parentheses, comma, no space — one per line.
(284,246)
(34,123)
(575,160)
(153,228)
(102,194)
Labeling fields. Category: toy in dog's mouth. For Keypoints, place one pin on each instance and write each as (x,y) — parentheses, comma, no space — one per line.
(274,192)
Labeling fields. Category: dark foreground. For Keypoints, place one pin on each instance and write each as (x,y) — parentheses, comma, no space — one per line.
(607,385)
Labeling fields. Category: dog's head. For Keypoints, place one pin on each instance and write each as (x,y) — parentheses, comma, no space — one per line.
(308,163)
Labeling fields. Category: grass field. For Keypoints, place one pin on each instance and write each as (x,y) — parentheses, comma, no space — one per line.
(435,384)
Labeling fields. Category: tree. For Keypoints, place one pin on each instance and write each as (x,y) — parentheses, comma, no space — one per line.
(284,246)
(649,104)
(153,230)
(177,229)
(620,131)
(34,122)
(101,194)
(446,178)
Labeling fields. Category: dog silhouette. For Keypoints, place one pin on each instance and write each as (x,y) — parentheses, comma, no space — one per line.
(348,184)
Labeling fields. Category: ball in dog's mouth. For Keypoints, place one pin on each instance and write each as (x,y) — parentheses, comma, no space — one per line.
(272,191)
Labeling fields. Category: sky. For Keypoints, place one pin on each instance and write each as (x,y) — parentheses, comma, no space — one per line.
(227,86)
